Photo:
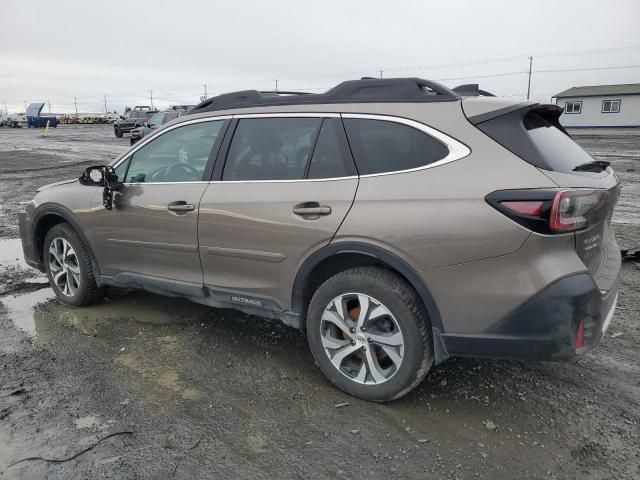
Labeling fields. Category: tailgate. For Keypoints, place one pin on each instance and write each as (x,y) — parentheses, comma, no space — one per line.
(596,245)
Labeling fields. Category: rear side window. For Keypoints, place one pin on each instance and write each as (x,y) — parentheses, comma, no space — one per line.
(381,146)
(271,148)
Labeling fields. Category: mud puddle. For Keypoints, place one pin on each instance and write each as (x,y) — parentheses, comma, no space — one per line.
(11,252)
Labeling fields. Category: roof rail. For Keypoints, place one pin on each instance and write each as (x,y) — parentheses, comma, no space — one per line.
(283,92)
(471,90)
(387,90)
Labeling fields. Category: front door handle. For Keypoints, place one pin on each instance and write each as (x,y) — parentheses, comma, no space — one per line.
(181,206)
(311,209)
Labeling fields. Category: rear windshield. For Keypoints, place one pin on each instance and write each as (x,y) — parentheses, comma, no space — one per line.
(537,139)
(560,152)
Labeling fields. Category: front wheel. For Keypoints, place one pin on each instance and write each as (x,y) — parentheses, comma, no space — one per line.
(370,334)
(118,132)
(69,268)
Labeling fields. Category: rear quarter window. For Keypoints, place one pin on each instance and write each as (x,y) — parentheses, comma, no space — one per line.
(537,139)
(559,151)
(381,146)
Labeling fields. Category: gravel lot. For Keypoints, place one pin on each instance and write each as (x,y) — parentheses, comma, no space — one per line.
(192,392)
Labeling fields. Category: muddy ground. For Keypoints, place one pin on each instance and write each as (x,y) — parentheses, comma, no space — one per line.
(191,392)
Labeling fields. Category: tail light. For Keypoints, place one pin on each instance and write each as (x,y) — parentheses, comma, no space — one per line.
(570,206)
(548,211)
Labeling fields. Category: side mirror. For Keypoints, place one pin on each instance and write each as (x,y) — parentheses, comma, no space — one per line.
(102,176)
(94,176)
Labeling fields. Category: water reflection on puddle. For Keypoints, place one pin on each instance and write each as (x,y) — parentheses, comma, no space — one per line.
(20,309)
(29,316)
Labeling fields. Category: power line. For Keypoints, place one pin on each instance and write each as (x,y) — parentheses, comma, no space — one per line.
(575,53)
(589,69)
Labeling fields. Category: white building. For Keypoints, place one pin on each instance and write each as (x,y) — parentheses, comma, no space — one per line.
(600,106)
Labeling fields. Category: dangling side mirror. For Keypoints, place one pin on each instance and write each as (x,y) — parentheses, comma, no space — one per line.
(102,176)
(94,176)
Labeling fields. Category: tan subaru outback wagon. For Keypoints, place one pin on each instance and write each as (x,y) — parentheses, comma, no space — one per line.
(396,222)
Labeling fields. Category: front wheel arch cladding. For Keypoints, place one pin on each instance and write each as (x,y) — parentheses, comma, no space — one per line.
(66,216)
(378,254)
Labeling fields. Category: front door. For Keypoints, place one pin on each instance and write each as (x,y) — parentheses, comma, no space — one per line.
(286,185)
(152,229)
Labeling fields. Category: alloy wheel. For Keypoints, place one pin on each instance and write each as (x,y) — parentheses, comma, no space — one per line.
(64,266)
(361,338)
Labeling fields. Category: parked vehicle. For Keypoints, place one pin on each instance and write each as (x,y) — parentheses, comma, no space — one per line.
(395,221)
(154,122)
(34,120)
(133,119)
(10,122)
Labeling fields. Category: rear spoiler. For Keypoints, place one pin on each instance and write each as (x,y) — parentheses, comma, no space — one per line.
(550,111)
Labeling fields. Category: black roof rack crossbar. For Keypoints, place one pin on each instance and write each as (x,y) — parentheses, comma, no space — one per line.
(387,90)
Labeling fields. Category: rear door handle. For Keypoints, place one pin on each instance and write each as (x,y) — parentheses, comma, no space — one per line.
(311,209)
(181,206)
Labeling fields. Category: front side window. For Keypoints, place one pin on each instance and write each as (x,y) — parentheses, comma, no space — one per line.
(271,148)
(610,106)
(179,155)
(573,107)
(157,119)
(381,146)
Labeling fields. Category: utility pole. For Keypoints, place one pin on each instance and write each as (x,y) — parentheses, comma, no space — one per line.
(104,96)
(205,91)
(151,97)
(75,102)
(49,105)
(276,84)
(25,106)
(5,109)
(381,72)
(530,70)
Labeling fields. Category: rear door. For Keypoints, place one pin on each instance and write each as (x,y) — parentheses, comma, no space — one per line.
(281,190)
(152,229)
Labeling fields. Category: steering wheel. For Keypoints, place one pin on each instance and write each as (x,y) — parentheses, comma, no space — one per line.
(187,169)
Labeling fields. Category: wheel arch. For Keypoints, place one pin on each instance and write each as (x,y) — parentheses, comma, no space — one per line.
(338,257)
(45,219)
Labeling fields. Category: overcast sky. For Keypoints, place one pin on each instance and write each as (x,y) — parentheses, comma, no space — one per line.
(63,49)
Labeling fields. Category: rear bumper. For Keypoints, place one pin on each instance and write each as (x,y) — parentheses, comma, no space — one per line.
(544,327)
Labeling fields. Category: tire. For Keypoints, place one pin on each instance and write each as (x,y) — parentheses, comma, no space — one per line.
(117,132)
(405,368)
(79,260)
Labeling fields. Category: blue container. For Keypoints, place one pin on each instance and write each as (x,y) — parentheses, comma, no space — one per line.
(35,120)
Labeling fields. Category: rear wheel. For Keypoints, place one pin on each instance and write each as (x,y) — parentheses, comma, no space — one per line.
(370,334)
(69,268)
